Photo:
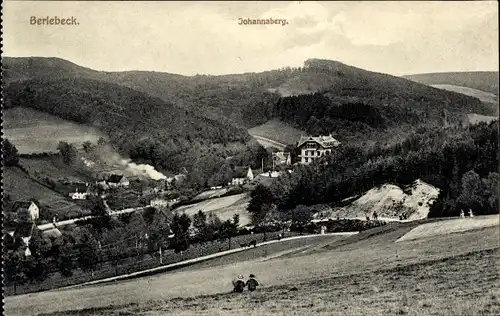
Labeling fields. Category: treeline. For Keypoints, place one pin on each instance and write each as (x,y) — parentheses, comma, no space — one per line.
(107,242)
(461,162)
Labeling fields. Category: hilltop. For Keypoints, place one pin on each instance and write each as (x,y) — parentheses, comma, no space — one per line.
(480,80)
(251,99)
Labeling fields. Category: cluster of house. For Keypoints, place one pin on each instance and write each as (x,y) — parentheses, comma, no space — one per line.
(24,214)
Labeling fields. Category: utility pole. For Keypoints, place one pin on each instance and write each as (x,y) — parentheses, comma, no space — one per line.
(161,258)
(262,166)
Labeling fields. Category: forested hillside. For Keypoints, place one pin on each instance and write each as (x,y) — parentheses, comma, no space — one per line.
(140,126)
(249,99)
(462,162)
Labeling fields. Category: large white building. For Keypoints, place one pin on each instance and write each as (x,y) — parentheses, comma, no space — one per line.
(312,148)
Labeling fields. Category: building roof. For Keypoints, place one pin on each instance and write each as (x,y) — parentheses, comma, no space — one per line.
(21,204)
(281,155)
(115,178)
(324,141)
(54,233)
(240,172)
(24,230)
(79,187)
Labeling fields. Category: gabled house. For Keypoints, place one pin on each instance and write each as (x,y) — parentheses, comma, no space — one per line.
(312,148)
(26,211)
(281,158)
(79,191)
(242,175)
(24,231)
(117,180)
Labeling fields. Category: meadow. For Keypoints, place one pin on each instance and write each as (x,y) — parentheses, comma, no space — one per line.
(278,131)
(365,274)
(224,207)
(33,131)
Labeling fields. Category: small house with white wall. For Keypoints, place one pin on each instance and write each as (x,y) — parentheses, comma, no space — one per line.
(242,175)
(117,180)
(26,211)
(79,191)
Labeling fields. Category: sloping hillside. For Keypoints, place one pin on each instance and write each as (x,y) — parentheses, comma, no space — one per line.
(33,131)
(277,131)
(249,99)
(481,80)
(141,126)
(390,202)
(481,95)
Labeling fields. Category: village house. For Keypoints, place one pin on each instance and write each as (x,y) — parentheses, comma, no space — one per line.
(117,180)
(24,231)
(26,211)
(241,175)
(312,148)
(281,158)
(79,191)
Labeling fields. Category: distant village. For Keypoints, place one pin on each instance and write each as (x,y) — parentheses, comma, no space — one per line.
(24,215)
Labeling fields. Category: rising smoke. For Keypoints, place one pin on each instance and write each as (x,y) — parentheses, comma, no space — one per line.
(110,156)
(142,170)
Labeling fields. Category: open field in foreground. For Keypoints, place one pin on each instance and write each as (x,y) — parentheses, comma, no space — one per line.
(33,131)
(365,274)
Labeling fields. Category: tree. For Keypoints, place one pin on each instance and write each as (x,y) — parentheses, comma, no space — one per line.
(492,184)
(200,224)
(88,147)
(10,154)
(101,142)
(87,252)
(13,265)
(472,193)
(261,199)
(68,152)
(213,226)
(228,229)
(180,227)
(64,255)
(300,216)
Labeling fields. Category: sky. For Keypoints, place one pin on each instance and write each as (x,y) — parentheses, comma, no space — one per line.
(205,37)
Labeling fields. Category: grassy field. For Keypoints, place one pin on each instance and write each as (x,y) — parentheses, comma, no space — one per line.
(365,274)
(277,131)
(476,118)
(481,95)
(54,167)
(32,131)
(450,226)
(20,187)
(224,207)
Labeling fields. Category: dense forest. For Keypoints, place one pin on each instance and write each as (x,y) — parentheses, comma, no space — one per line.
(246,99)
(461,162)
(141,127)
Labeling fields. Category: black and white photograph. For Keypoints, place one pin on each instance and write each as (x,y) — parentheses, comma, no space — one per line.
(250,158)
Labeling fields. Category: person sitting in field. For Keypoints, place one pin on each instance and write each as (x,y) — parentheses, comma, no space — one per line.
(252,283)
(238,284)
